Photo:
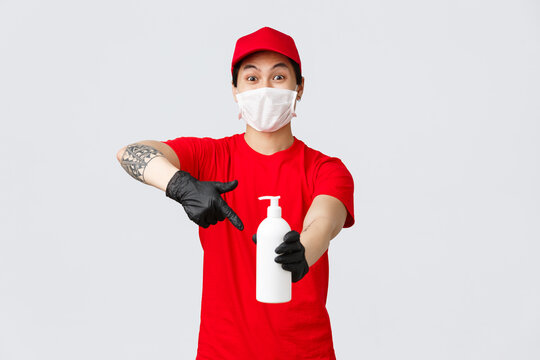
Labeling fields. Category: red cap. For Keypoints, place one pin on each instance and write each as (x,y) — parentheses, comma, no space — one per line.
(265,38)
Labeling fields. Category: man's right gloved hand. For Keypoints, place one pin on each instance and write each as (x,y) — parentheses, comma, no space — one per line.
(202,200)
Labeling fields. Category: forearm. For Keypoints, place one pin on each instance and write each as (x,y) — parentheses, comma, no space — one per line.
(316,236)
(147,165)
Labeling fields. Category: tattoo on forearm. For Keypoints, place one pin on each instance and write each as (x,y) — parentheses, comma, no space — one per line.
(307,227)
(136,157)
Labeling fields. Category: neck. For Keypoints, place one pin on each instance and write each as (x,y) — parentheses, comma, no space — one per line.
(268,143)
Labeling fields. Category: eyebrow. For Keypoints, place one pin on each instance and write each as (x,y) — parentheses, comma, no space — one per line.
(281,64)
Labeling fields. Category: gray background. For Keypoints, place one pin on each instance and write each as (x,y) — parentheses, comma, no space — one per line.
(432,105)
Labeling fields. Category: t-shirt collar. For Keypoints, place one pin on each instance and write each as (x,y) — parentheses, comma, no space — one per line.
(283,153)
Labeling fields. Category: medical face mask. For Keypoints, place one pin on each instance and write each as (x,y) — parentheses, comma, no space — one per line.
(267,109)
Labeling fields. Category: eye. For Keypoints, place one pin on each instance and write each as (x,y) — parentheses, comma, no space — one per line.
(251,78)
(279,77)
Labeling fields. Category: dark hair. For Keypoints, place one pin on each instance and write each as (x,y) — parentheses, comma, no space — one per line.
(295,66)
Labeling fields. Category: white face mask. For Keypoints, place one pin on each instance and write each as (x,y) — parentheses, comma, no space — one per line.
(267,109)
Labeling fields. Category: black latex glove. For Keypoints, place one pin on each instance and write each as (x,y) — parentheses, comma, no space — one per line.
(202,200)
(293,256)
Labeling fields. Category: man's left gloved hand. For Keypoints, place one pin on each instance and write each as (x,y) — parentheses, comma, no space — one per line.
(293,256)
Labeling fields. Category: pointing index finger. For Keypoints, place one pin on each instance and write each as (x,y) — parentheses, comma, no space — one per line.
(233,218)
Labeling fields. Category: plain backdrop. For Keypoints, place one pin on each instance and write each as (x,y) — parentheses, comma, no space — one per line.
(432,105)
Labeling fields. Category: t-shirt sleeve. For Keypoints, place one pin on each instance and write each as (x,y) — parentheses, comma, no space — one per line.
(194,154)
(334,179)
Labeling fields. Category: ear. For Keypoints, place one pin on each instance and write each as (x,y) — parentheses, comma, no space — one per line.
(234,90)
(300,89)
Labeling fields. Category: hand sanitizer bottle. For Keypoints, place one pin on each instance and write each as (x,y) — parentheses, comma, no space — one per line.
(273,283)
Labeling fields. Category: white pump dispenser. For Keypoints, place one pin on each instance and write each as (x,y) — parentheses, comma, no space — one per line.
(274,210)
(274,284)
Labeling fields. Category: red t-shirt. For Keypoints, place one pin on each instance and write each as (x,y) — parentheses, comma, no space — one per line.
(234,325)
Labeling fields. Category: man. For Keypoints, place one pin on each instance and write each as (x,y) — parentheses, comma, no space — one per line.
(218,185)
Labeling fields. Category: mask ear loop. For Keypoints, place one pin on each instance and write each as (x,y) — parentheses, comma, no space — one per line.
(296,90)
